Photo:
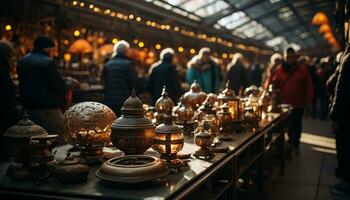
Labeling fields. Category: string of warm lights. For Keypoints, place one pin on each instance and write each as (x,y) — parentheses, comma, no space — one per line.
(165,27)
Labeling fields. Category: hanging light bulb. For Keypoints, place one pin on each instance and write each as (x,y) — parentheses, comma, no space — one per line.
(325,28)
(320,18)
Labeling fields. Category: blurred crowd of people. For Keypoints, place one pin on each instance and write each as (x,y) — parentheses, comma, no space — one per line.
(302,82)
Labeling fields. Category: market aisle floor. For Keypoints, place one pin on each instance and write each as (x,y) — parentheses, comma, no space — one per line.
(309,175)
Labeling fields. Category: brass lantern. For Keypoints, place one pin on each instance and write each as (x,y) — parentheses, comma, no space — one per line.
(225,123)
(275,99)
(183,116)
(204,139)
(228,96)
(163,105)
(168,140)
(195,97)
(89,127)
(207,113)
(253,103)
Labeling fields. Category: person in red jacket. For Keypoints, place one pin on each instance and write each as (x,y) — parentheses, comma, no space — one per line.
(294,81)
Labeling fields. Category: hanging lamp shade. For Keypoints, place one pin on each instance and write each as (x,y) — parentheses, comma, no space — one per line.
(106,49)
(325,28)
(80,46)
(320,18)
(332,40)
(328,36)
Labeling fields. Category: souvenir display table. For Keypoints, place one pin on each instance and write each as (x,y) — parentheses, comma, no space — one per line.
(238,173)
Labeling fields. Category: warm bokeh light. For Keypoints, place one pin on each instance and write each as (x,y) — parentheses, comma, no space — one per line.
(325,28)
(176,28)
(82,4)
(328,36)
(138,19)
(8,27)
(141,44)
(114,40)
(224,55)
(67,57)
(158,46)
(180,49)
(75,3)
(192,51)
(320,18)
(131,16)
(76,33)
(135,41)
(231,55)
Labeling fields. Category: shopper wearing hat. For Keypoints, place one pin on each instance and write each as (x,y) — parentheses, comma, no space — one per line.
(42,88)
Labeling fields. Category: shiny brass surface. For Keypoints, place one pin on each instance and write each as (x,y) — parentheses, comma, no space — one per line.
(132,169)
(228,96)
(204,139)
(132,133)
(168,140)
(195,97)
(89,126)
(163,105)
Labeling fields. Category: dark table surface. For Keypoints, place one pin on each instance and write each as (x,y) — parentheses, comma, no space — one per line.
(168,186)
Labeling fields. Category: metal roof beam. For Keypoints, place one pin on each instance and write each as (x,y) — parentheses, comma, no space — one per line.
(262,15)
(209,21)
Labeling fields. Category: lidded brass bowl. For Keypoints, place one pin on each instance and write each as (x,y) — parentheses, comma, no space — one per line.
(18,137)
(132,133)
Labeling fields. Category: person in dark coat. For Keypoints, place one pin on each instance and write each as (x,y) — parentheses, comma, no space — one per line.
(163,73)
(340,114)
(8,112)
(119,77)
(42,88)
(255,75)
(237,73)
(294,82)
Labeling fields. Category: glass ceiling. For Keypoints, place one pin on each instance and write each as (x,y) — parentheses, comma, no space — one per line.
(256,20)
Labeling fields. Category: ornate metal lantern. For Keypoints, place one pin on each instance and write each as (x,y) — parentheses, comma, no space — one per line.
(89,127)
(225,123)
(253,103)
(207,113)
(168,140)
(204,139)
(183,116)
(228,96)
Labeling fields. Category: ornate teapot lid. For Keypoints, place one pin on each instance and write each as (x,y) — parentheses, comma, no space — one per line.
(207,107)
(132,115)
(25,128)
(168,126)
(227,94)
(164,103)
(195,87)
(224,108)
(205,133)
(133,106)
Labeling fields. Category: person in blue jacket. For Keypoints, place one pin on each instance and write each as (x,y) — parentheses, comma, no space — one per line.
(205,70)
